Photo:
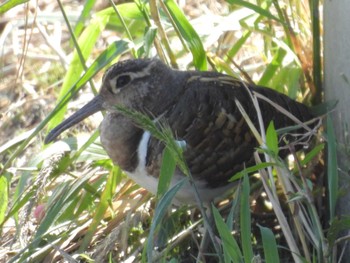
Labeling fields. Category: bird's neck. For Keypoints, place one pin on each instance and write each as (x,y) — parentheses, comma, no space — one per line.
(120,138)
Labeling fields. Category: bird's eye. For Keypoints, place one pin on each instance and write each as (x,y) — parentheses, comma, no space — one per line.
(122,81)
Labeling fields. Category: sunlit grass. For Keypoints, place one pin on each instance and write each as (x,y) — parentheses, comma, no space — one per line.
(67,201)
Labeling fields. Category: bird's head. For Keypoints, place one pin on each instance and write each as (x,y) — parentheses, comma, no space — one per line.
(145,85)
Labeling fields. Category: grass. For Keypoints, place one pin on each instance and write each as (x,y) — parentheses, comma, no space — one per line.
(67,202)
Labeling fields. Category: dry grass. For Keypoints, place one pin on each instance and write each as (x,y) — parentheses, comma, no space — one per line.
(36,52)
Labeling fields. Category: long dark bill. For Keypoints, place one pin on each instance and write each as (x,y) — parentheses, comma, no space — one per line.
(92,107)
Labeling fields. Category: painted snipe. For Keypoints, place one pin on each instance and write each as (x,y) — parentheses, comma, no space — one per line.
(201,110)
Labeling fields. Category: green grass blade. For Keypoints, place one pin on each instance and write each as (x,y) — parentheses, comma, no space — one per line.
(272,67)
(105,200)
(245,222)
(87,7)
(230,219)
(133,17)
(58,205)
(148,39)
(108,55)
(256,9)
(310,155)
(86,43)
(269,245)
(161,209)
(9,4)
(18,203)
(249,170)
(115,49)
(166,172)
(230,245)
(188,34)
(239,44)
(287,80)
(54,211)
(3,197)
(272,139)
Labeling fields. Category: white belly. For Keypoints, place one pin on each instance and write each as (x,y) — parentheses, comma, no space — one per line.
(186,194)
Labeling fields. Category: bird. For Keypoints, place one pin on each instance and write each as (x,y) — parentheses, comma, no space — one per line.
(199,107)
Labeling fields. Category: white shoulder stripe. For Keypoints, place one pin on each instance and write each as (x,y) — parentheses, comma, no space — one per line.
(143,148)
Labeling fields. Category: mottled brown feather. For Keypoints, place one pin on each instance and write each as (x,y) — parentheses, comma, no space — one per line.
(219,143)
(200,109)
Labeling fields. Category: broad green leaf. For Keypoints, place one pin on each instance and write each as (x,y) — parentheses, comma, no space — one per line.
(324,108)
(272,138)
(3,197)
(310,155)
(272,67)
(188,34)
(245,222)
(228,242)
(87,7)
(9,4)
(132,15)
(234,213)
(239,44)
(150,35)
(269,245)
(166,172)
(291,75)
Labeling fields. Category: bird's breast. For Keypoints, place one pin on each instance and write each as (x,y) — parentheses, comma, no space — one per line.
(139,155)
(120,138)
(147,175)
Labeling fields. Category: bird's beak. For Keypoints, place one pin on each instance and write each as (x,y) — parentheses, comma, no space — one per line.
(92,107)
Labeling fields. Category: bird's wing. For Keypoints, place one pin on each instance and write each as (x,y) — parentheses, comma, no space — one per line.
(218,141)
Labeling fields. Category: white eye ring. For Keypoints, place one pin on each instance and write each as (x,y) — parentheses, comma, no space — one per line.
(120,82)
